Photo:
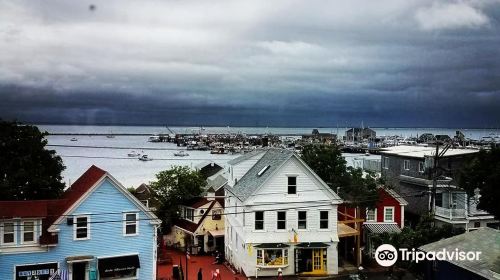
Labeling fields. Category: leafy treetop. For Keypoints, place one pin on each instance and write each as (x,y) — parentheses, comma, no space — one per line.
(28,170)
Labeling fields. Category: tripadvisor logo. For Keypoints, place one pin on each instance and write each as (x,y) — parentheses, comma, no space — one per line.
(387,255)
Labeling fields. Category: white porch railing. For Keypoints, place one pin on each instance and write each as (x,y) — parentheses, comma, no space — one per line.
(450,213)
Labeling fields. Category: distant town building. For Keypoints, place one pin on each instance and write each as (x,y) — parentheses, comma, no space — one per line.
(208,168)
(358,134)
(283,216)
(97,230)
(320,138)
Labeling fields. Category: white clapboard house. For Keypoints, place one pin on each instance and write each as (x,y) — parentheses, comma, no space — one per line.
(279,215)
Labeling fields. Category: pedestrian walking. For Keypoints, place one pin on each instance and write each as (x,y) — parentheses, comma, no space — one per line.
(200,274)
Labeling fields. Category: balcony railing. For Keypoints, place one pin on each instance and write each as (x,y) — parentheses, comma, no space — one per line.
(450,213)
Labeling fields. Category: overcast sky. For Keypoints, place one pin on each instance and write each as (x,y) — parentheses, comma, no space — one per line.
(281,63)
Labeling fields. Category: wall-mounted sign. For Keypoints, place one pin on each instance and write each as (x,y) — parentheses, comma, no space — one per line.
(35,271)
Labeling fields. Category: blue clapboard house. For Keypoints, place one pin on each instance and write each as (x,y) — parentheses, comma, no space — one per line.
(96,230)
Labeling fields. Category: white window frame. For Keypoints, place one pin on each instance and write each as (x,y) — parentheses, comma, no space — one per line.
(34,232)
(385,213)
(298,220)
(75,226)
(374,214)
(385,162)
(2,231)
(126,223)
(261,252)
(421,167)
(406,164)
(186,209)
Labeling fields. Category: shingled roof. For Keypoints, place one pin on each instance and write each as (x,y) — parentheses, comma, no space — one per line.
(251,181)
(485,240)
(246,156)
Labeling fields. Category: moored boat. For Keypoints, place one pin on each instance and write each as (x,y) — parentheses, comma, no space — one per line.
(181,154)
(145,158)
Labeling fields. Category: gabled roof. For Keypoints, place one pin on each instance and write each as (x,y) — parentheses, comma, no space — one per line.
(82,187)
(217,180)
(190,226)
(245,156)
(52,211)
(265,168)
(395,195)
(485,240)
(251,181)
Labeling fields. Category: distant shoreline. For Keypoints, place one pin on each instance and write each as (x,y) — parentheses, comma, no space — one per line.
(250,126)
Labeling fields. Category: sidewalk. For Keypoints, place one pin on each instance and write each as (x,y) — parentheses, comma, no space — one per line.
(194,264)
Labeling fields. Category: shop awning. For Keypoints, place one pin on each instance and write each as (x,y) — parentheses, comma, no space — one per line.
(312,245)
(272,245)
(381,227)
(216,233)
(345,230)
(110,266)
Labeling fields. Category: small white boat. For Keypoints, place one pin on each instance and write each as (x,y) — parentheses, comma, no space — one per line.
(181,154)
(73,139)
(133,154)
(145,158)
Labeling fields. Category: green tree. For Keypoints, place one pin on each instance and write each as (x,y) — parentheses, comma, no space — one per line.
(328,163)
(483,173)
(358,189)
(27,169)
(172,188)
(361,191)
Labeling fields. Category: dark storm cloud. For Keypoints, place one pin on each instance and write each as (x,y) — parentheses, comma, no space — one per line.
(392,63)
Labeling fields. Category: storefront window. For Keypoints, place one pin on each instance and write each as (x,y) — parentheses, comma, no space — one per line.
(270,257)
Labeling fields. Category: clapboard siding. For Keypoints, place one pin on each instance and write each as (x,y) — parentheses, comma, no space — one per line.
(106,236)
(272,196)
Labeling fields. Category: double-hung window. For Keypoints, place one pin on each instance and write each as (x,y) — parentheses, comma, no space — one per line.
(292,185)
(406,164)
(302,221)
(189,214)
(81,226)
(259,220)
(371,215)
(421,167)
(323,219)
(130,223)
(389,214)
(281,224)
(385,162)
(28,232)
(9,233)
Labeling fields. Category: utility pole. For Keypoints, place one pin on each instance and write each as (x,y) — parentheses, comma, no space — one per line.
(434,181)
(435,175)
